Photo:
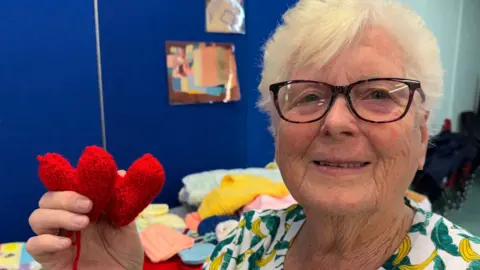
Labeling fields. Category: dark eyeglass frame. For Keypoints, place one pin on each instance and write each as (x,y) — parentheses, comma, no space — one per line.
(413,86)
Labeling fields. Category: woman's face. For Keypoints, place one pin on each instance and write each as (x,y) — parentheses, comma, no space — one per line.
(393,152)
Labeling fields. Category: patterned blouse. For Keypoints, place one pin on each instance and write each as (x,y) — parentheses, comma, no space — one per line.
(263,237)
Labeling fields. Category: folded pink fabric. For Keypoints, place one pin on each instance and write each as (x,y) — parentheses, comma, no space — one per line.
(161,242)
(268,202)
(193,220)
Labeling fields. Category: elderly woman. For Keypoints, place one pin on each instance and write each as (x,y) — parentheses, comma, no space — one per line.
(349,86)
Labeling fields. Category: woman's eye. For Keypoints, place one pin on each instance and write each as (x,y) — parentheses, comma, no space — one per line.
(309,98)
(378,94)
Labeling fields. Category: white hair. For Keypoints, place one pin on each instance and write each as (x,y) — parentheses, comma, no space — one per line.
(314,31)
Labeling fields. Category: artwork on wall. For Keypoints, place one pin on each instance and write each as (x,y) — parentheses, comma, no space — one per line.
(200,72)
(225,16)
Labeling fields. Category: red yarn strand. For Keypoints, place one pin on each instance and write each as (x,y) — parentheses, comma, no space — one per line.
(77,243)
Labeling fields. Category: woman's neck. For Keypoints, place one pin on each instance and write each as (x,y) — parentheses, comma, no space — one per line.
(366,241)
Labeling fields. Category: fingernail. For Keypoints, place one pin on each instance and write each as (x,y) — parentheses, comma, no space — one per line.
(80,220)
(83,204)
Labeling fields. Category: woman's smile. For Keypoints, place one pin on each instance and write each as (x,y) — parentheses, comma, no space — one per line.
(341,167)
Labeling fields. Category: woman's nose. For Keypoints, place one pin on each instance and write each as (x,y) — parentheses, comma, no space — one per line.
(339,121)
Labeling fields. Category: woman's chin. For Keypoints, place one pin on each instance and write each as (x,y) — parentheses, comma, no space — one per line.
(339,203)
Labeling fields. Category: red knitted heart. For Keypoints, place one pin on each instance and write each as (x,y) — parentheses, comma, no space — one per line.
(94,177)
(136,190)
(122,198)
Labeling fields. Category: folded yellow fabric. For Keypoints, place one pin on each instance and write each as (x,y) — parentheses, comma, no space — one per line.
(154,210)
(417,197)
(151,212)
(272,166)
(170,220)
(236,191)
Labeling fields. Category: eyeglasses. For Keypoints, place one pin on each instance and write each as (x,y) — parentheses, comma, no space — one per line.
(379,100)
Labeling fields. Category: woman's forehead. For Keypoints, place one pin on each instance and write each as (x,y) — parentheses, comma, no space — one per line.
(375,54)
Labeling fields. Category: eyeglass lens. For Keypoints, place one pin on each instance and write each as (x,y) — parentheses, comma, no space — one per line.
(378,101)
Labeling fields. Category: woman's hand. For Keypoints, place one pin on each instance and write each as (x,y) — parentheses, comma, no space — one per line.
(102,245)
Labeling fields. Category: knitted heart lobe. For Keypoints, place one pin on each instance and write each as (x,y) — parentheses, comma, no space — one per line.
(96,175)
(56,172)
(136,190)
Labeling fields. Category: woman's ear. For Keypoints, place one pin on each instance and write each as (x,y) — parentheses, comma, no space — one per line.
(423,140)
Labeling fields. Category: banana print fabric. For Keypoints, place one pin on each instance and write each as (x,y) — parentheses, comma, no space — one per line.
(263,237)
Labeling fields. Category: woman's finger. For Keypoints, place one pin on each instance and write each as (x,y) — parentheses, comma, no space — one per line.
(44,244)
(66,200)
(122,172)
(48,221)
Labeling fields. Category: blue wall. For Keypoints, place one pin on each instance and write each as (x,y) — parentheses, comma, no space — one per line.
(139,119)
(48,98)
(49,89)
(262,19)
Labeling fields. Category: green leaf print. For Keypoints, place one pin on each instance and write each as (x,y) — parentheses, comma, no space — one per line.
(472,238)
(239,240)
(475,265)
(421,211)
(255,240)
(438,263)
(281,245)
(254,257)
(428,216)
(389,264)
(292,212)
(405,261)
(241,258)
(226,259)
(420,228)
(300,216)
(229,239)
(442,239)
(272,223)
(278,257)
(221,246)
(416,227)
(248,217)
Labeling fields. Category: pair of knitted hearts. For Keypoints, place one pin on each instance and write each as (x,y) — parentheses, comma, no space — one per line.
(121,198)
